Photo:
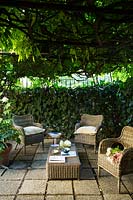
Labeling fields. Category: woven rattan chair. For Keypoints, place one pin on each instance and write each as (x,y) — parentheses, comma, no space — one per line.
(125,165)
(87,129)
(31,132)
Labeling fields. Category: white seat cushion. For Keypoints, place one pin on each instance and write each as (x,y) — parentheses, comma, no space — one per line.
(30,130)
(91,130)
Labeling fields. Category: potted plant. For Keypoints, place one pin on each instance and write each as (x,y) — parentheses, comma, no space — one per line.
(7,132)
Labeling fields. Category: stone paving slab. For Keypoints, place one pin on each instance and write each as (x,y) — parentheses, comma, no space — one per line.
(13,155)
(9,187)
(109,185)
(91,154)
(1,171)
(59,187)
(80,148)
(36,174)
(20,164)
(86,187)
(59,197)
(7,197)
(13,174)
(85,163)
(40,150)
(88,197)
(30,149)
(83,155)
(117,197)
(93,163)
(128,185)
(26,178)
(33,187)
(41,156)
(128,177)
(86,174)
(24,157)
(30,197)
(103,173)
(39,164)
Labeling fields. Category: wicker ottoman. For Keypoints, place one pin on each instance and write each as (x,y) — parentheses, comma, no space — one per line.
(68,170)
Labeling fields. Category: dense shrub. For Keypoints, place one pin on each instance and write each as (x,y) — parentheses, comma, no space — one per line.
(60,108)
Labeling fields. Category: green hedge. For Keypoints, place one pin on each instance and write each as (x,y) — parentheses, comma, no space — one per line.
(60,108)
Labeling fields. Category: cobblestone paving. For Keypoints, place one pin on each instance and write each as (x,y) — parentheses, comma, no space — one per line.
(25,179)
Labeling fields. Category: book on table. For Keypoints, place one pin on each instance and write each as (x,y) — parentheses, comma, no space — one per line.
(56,159)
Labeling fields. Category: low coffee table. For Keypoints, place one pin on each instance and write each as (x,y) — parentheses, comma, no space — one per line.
(70,169)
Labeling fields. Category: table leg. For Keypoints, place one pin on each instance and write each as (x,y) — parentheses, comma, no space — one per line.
(54,142)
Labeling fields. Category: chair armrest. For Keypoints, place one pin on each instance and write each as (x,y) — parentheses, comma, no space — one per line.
(19,128)
(105,143)
(127,154)
(38,125)
(126,161)
(77,125)
(99,127)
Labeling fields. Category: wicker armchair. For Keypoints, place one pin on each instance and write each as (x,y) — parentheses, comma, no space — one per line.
(87,129)
(31,132)
(125,164)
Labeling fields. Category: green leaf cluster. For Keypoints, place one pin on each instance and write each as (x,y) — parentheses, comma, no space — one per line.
(115,150)
(61,108)
(65,37)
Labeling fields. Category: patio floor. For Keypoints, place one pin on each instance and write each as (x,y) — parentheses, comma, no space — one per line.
(25,179)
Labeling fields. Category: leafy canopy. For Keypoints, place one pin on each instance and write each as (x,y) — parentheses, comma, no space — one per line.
(61,37)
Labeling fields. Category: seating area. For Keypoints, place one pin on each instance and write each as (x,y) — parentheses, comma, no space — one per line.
(92,173)
(31,132)
(87,129)
(26,177)
(123,163)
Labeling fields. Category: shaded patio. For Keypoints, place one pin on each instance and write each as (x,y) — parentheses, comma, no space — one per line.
(25,179)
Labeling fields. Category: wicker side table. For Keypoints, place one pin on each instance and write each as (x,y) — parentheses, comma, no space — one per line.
(68,170)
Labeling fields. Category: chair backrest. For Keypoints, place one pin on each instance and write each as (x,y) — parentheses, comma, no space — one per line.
(126,136)
(91,120)
(23,120)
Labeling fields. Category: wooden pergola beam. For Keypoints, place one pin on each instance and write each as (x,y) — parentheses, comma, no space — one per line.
(67,7)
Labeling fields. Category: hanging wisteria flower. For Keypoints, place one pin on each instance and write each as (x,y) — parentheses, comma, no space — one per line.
(4,99)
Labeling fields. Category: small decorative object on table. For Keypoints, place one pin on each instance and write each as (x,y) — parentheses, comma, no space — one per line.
(66,150)
(54,135)
(56,151)
(64,144)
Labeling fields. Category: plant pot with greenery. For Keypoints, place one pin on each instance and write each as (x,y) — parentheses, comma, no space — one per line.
(7,132)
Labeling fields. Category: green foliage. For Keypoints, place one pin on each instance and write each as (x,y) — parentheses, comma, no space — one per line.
(7,132)
(115,150)
(67,37)
(123,74)
(61,108)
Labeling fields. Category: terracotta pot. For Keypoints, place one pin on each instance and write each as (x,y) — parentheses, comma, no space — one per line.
(4,156)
